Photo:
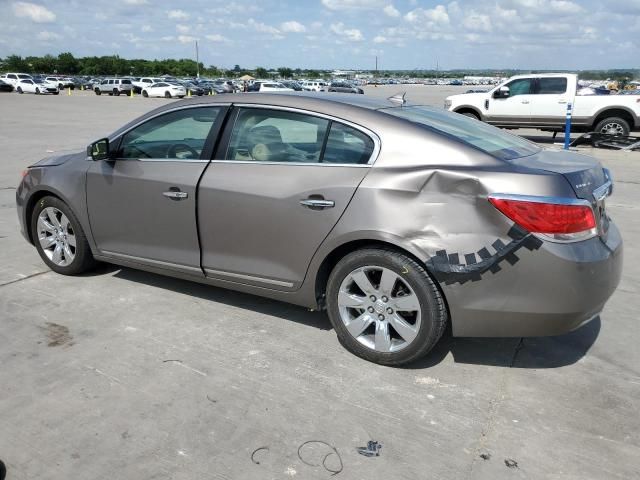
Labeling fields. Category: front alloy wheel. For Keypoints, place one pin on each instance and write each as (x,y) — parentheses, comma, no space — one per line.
(56,236)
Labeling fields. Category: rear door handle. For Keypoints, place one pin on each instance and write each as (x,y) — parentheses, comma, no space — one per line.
(175,194)
(525,101)
(317,204)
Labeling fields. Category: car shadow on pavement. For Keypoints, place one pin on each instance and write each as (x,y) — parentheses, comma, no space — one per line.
(254,303)
(527,352)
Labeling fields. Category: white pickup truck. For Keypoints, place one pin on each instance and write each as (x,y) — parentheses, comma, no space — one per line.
(540,101)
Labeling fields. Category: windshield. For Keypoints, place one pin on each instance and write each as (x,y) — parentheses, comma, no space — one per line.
(491,140)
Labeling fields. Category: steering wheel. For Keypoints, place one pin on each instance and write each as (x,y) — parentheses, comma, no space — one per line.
(182,151)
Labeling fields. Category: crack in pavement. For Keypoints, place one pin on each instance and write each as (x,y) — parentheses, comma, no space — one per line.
(24,278)
(494,405)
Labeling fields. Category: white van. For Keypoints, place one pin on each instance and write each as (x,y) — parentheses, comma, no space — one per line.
(15,78)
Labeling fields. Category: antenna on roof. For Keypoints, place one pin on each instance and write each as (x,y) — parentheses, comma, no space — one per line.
(398,98)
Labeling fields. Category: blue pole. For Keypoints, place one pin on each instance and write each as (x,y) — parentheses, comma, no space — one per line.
(567,128)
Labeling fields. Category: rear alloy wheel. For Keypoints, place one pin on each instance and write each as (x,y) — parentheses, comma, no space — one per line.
(384,306)
(167,95)
(613,126)
(59,238)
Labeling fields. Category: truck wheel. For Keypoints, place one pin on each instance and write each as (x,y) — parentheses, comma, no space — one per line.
(471,115)
(116,92)
(613,126)
(98,92)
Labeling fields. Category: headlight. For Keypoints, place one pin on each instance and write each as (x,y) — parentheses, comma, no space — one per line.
(447,104)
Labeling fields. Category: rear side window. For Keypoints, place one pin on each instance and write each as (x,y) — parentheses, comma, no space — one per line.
(552,85)
(126,82)
(347,145)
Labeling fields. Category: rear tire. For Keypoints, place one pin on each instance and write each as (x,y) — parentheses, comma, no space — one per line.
(37,91)
(72,259)
(98,92)
(408,313)
(19,90)
(167,95)
(116,92)
(613,126)
(145,94)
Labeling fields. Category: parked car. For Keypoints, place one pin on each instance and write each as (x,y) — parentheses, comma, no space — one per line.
(5,87)
(195,90)
(36,86)
(540,101)
(343,87)
(292,85)
(164,89)
(313,86)
(14,78)
(144,82)
(330,202)
(114,86)
(268,87)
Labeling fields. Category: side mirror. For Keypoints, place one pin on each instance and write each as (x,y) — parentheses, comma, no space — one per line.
(501,92)
(99,150)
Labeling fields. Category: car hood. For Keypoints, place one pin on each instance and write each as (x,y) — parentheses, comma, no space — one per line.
(468,96)
(584,173)
(59,159)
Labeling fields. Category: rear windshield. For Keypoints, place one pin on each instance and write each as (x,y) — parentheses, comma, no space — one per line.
(491,140)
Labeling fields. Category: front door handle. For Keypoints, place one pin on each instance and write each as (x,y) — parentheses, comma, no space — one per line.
(317,203)
(525,101)
(175,194)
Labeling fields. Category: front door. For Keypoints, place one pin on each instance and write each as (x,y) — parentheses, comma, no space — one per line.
(142,205)
(516,108)
(284,181)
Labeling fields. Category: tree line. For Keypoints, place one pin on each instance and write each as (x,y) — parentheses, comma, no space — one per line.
(67,64)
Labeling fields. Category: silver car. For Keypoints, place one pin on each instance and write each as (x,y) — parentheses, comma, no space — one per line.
(397,220)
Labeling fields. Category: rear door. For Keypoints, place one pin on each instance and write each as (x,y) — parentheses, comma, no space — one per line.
(549,103)
(279,184)
(142,205)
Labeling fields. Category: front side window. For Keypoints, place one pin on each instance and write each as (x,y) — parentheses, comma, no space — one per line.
(178,135)
(552,85)
(263,135)
(521,86)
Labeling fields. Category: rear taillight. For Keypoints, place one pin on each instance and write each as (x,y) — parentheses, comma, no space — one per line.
(560,221)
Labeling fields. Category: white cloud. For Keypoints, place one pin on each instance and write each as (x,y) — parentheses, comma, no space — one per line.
(216,38)
(46,35)
(186,39)
(146,28)
(477,22)
(351,34)
(391,11)
(293,27)
(380,39)
(353,4)
(437,15)
(36,13)
(136,2)
(183,28)
(177,15)
(262,27)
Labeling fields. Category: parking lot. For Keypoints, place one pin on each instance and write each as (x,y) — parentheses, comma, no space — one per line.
(123,374)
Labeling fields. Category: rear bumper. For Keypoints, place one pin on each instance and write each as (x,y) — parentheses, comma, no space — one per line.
(549,291)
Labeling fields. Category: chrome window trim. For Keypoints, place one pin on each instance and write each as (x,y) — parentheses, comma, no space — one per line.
(164,160)
(240,276)
(377,144)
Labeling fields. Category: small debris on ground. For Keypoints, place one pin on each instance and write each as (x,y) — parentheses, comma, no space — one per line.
(510,463)
(253,454)
(371,450)
(485,456)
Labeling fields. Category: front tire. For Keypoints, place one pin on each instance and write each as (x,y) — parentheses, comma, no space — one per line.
(98,91)
(167,95)
(19,90)
(613,126)
(59,238)
(145,94)
(385,307)
(471,115)
(37,91)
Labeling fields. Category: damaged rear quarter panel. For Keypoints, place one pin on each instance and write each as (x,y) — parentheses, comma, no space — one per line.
(440,214)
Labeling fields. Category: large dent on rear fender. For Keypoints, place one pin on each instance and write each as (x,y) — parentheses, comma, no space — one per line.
(442,215)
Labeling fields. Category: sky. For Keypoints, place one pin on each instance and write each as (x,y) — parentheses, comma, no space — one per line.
(346,34)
